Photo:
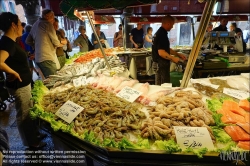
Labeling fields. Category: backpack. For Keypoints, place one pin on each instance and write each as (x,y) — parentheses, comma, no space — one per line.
(115,43)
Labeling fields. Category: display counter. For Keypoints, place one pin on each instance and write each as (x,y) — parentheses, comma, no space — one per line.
(130,58)
(234,70)
(133,157)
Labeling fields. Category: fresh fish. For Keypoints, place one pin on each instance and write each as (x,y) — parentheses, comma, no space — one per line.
(115,83)
(144,88)
(125,83)
(154,96)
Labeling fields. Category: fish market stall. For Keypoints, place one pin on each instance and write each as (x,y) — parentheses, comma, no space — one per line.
(130,56)
(114,131)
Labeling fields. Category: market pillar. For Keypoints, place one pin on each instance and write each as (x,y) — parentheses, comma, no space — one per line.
(127,28)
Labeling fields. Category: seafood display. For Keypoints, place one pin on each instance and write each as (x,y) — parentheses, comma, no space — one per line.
(186,108)
(104,114)
(89,56)
(93,68)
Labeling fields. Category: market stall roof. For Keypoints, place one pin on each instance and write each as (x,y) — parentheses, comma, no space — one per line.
(148,20)
(230,18)
(68,6)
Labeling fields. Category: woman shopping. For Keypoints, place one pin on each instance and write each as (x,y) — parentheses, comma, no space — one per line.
(13,61)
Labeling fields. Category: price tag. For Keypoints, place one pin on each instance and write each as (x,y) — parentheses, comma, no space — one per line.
(193,137)
(129,94)
(205,83)
(238,94)
(77,82)
(68,111)
(83,80)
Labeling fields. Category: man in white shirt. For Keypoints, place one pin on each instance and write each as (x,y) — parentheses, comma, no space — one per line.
(44,39)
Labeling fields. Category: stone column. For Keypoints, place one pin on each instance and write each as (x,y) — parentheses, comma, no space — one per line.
(32,9)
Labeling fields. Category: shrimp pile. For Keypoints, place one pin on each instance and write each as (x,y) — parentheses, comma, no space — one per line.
(186,108)
(105,114)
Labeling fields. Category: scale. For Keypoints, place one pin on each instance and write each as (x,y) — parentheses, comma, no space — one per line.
(234,57)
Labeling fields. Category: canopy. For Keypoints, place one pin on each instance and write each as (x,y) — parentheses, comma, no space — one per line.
(148,20)
(68,6)
(230,18)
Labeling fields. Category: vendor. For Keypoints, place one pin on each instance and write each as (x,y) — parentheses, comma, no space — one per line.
(223,24)
(136,36)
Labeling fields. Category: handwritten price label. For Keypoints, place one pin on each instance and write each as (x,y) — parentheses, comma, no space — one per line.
(68,111)
(238,94)
(129,94)
(77,82)
(193,137)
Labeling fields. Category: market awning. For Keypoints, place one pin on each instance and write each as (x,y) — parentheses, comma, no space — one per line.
(149,20)
(68,6)
(230,18)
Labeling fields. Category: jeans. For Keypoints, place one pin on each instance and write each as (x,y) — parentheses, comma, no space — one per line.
(47,68)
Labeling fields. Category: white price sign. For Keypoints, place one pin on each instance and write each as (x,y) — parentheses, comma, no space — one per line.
(68,111)
(238,94)
(83,80)
(77,82)
(129,94)
(193,137)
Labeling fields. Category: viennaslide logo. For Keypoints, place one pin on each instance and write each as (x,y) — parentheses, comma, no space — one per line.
(233,156)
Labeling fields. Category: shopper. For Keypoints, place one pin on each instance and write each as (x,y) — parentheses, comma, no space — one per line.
(118,39)
(101,36)
(13,61)
(30,51)
(83,41)
(148,38)
(43,38)
(223,24)
(162,52)
(66,48)
(136,36)
(59,50)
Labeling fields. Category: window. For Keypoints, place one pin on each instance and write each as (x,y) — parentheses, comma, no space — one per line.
(12,7)
(2,6)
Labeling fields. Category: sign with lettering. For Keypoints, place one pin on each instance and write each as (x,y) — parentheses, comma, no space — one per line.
(68,111)
(238,94)
(193,137)
(77,82)
(83,80)
(129,94)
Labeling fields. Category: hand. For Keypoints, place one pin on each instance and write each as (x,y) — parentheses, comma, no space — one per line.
(120,36)
(11,77)
(136,46)
(175,59)
(182,56)
(31,57)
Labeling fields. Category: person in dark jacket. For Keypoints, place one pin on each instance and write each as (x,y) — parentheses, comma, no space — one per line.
(223,24)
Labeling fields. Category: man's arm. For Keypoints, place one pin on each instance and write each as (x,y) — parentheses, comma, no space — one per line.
(132,41)
(53,37)
(172,52)
(30,41)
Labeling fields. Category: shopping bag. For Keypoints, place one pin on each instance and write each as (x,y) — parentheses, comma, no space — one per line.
(106,44)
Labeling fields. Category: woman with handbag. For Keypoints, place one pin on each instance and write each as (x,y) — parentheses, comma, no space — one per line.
(118,39)
(82,40)
(101,36)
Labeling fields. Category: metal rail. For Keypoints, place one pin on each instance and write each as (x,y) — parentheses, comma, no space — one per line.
(98,40)
(207,12)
